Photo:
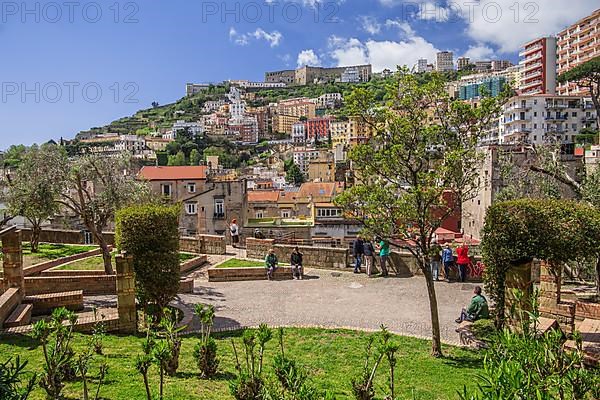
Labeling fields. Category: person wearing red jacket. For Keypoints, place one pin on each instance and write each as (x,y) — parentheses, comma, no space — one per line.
(462,261)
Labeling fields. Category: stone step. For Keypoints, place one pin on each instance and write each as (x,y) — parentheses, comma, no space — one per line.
(590,336)
(20,316)
(10,299)
(45,303)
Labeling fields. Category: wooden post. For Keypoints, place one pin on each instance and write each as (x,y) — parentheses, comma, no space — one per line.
(126,294)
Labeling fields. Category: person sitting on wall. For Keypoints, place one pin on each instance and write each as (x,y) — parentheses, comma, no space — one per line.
(296,261)
(258,234)
(271,264)
(478,309)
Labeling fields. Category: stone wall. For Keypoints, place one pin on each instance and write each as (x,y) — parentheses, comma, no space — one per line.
(8,301)
(125,286)
(246,274)
(203,244)
(314,257)
(551,305)
(90,284)
(65,236)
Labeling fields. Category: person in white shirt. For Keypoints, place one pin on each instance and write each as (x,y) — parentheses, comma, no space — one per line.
(234,230)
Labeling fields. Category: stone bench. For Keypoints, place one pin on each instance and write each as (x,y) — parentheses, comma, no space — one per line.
(19,317)
(10,299)
(45,303)
(247,274)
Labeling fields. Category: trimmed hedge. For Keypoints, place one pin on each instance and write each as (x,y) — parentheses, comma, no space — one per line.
(150,233)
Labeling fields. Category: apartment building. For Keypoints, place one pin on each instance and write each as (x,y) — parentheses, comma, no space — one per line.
(349,132)
(245,129)
(461,63)
(577,44)
(501,65)
(538,119)
(304,155)
(299,133)
(194,128)
(538,62)
(288,112)
(444,61)
(207,202)
(264,119)
(421,65)
(322,169)
(317,129)
(212,106)
(329,100)
(492,85)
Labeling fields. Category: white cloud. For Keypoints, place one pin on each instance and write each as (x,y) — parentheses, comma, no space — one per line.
(434,11)
(382,54)
(243,39)
(508,24)
(308,57)
(480,52)
(369,24)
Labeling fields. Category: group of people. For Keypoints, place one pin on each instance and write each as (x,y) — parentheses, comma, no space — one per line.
(447,258)
(272,263)
(364,252)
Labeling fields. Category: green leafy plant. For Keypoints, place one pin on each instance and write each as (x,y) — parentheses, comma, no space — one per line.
(249,384)
(14,384)
(170,333)
(82,367)
(205,352)
(55,337)
(98,333)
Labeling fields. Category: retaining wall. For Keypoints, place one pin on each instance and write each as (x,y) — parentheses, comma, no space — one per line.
(64,236)
(193,264)
(90,284)
(203,244)
(314,257)
(246,274)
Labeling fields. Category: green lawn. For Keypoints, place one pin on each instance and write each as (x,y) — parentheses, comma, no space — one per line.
(96,263)
(49,251)
(332,357)
(237,263)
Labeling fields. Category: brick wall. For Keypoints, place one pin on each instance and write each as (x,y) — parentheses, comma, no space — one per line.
(192,264)
(246,274)
(8,301)
(90,284)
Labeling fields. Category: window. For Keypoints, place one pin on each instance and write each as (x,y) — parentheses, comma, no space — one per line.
(328,212)
(259,214)
(191,208)
(285,214)
(219,208)
(574,114)
(191,188)
(166,190)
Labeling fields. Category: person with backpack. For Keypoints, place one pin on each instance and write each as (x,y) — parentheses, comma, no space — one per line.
(296,262)
(369,257)
(358,250)
(234,231)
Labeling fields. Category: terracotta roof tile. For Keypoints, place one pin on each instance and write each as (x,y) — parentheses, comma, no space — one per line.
(263,196)
(172,173)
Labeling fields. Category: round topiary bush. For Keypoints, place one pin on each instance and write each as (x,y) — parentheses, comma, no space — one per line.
(150,233)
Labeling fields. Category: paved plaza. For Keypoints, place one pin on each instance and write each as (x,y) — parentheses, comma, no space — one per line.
(329,299)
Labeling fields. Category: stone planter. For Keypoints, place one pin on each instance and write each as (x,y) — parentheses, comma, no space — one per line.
(246,274)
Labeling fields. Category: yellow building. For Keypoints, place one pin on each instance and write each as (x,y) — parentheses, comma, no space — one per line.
(288,112)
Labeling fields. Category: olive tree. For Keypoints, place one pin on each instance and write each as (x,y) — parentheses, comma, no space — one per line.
(35,187)
(96,187)
(421,162)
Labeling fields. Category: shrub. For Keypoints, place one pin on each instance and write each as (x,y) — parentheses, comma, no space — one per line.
(205,352)
(150,234)
(249,384)
(484,330)
(55,337)
(13,385)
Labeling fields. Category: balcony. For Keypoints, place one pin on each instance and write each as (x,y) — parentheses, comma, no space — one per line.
(556,106)
(219,216)
(530,50)
(556,118)
(531,67)
(530,84)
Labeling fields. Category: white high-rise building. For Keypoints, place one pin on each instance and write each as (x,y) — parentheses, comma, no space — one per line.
(444,61)
(422,65)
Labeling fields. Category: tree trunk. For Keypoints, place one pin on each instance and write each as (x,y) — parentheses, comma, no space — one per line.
(436,341)
(106,256)
(36,230)
(598,277)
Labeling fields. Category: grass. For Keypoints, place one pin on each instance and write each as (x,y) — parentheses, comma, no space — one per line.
(332,358)
(96,263)
(237,263)
(50,251)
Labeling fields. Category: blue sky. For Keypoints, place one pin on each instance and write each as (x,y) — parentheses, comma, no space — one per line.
(56,57)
